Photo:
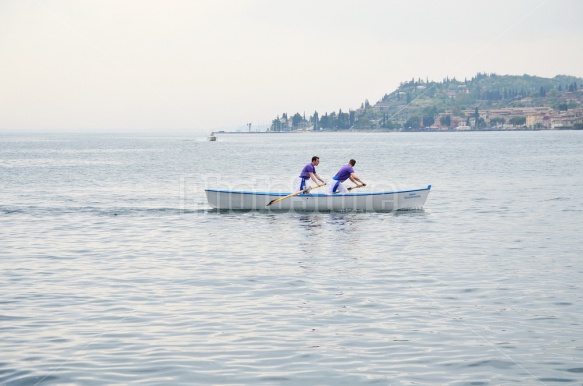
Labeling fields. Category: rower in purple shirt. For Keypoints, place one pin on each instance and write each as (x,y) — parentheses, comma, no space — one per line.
(308,173)
(346,172)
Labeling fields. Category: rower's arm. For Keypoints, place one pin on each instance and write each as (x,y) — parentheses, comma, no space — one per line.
(354,178)
(314,176)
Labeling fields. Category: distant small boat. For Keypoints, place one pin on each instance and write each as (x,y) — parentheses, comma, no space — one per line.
(212,137)
(318,202)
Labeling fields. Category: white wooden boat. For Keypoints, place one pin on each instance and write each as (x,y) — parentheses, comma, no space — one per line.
(318,202)
(212,137)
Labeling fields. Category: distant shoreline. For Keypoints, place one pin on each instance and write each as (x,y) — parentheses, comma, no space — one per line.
(391,131)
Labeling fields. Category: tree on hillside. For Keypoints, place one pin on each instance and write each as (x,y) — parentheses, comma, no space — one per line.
(333,120)
(296,120)
(276,124)
(386,123)
(497,121)
(445,120)
(476,117)
(517,121)
(413,123)
(315,119)
(428,120)
(343,120)
(325,121)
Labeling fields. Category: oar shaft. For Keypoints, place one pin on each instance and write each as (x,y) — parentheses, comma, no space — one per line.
(295,194)
(356,187)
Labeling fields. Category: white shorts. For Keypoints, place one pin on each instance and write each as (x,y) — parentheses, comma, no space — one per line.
(341,189)
(298,181)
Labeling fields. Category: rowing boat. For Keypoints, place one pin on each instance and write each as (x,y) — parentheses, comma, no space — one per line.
(318,202)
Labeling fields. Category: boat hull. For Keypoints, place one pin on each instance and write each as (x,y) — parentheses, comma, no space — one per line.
(375,202)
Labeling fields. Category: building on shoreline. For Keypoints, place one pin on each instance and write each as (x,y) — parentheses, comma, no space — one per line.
(534,118)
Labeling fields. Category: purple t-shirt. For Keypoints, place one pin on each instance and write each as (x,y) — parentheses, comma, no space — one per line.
(344,173)
(306,171)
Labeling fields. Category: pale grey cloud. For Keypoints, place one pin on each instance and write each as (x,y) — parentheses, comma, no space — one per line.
(200,65)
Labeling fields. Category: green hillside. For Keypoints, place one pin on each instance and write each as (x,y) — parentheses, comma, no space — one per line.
(419,104)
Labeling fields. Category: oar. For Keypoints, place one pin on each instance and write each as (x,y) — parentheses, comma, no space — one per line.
(356,187)
(295,194)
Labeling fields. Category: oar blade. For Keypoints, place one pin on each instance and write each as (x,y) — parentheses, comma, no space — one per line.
(276,200)
(283,198)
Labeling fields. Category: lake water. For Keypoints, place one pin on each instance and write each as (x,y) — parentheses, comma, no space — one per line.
(114,270)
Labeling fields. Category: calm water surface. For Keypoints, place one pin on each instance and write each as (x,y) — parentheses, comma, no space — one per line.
(114,270)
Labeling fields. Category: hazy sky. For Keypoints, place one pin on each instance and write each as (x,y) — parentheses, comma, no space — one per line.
(204,65)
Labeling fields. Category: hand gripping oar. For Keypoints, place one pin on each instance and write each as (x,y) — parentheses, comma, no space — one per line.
(356,187)
(295,194)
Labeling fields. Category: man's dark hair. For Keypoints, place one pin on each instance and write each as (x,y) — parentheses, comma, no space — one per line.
(352,162)
(315,158)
